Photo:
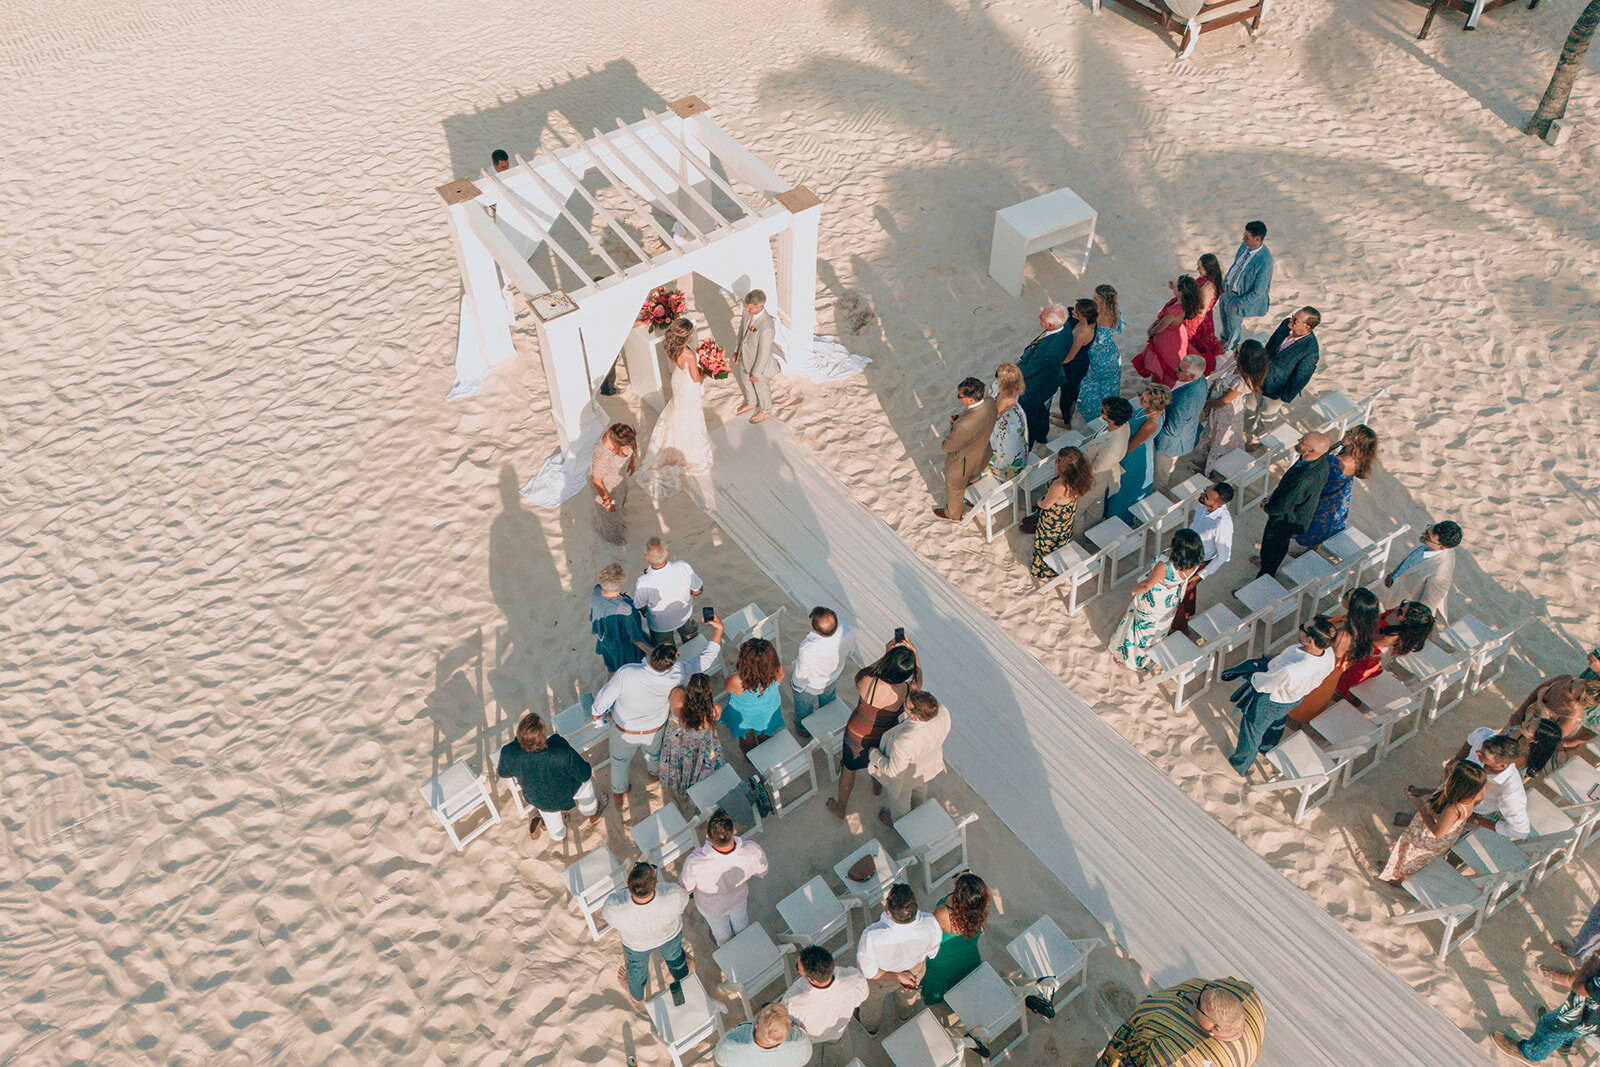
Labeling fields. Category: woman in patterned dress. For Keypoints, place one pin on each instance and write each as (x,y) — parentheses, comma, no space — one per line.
(1354,460)
(1058,509)
(1155,602)
(1442,816)
(1222,419)
(690,751)
(1105,363)
(1009,438)
(610,464)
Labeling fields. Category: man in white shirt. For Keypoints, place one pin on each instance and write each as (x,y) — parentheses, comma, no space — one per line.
(910,755)
(648,918)
(1213,522)
(1275,687)
(893,953)
(1504,807)
(825,997)
(637,696)
(718,874)
(665,592)
(1426,572)
(818,663)
(769,1040)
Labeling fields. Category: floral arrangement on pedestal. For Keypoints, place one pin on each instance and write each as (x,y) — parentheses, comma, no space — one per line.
(712,359)
(661,307)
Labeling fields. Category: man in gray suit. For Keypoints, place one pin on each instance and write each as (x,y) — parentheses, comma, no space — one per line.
(1245,287)
(966,446)
(753,359)
(1426,573)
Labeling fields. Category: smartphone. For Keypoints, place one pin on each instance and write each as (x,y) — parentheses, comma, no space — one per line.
(899,634)
(707,614)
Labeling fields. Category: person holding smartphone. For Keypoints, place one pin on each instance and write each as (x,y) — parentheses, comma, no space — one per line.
(881,690)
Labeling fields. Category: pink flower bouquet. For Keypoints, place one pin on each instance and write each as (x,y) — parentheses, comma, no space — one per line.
(712,359)
(660,309)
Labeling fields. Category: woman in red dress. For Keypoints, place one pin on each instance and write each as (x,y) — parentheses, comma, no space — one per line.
(1401,631)
(1202,330)
(1169,334)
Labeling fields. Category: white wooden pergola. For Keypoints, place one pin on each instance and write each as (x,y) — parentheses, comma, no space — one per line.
(608,220)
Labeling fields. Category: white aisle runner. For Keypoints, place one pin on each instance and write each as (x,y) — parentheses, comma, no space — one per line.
(1183,895)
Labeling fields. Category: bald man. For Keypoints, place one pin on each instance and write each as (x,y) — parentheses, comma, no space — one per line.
(1292,504)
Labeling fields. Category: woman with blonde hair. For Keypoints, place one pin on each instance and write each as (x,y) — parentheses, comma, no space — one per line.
(1058,509)
(1009,438)
(1352,459)
(753,712)
(1138,466)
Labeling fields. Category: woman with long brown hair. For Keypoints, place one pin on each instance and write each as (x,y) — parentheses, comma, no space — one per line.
(1442,816)
(1352,459)
(1202,328)
(1053,526)
(881,690)
(1169,334)
(690,751)
(679,454)
(1222,419)
(962,916)
(1402,630)
(753,712)
(1354,635)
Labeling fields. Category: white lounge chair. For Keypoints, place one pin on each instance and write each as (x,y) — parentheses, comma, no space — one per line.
(455,793)
(1485,852)
(826,726)
(1247,474)
(933,836)
(751,962)
(1269,602)
(1344,728)
(706,796)
(1439,676)
(1055,963)
(1220,632)
(580,729)
(1076,568)
(815,916)
(1338,410)
(1315,579)
(783,761)
(1486,647)
(1181,662)
(1450,898)
(1117,541)
(590,880)
(989,497)
(1394,704)
(683,1026)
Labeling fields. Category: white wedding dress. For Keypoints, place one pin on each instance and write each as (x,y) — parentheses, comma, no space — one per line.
(678,456)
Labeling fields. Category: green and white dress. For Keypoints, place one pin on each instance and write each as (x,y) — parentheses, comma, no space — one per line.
(1148,620)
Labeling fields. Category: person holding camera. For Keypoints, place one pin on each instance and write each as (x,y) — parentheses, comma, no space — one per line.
(882,689)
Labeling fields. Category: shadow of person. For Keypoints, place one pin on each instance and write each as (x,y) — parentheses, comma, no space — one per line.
(521,572)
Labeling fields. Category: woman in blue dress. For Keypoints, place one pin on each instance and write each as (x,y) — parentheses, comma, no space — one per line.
(1138,466)
(1104,378)
(753,712)
(1351,460)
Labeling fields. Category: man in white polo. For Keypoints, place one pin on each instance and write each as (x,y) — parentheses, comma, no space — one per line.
(636,698)
(818,663)
(893,954)
(665,592)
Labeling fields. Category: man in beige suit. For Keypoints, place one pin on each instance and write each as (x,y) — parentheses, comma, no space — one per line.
(966,446)
(1425,575)
(1104,451)
(910,755)
(753,361)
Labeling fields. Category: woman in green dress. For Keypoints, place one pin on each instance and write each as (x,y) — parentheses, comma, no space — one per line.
(961,916)
(1058,509)
(1155,602)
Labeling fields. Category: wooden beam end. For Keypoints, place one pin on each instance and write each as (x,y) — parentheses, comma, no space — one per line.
(552,305)
(459,191)
(688,106)
(798,199)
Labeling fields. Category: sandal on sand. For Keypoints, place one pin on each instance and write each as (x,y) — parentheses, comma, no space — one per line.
(536,826)
(877,788)
(885,818)
(1563,947)
(1508,1044)
(1418,791)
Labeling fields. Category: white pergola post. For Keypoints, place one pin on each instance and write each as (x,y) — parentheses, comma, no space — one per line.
(484,338)
(797,270)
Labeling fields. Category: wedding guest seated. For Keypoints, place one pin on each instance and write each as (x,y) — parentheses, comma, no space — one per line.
(1351,459)
(1053,524)
(754,710)
(1442,816)
(1082,324)
(690,749)
(1572,1021)
(1169,334)
(881,691)
(825,997)
(818,662)
(1105,452)
(1222,419)
(553,777)
(666,592)
(1570,703)
(1504,807)
(769,1040)
(1138,467)
(620,637)
(1273,687)
(1213,524)
(1291,360)
(1040,364)
(1180,422)
(1155,603)
(648,919)
(1427,571)
(1402,630)
(910,755)
(1293,502)
(1354,635)
(611,466)
(1218,1022)
(966,446)
(718,875)
(961,917)
(1009,439)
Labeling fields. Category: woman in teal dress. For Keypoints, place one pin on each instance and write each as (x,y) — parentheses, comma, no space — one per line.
(961,916)
(753,712)
(1105,363)
(1138,466)
(1059,508)
(1155,602)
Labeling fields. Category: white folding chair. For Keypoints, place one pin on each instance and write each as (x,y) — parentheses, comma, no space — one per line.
(1391,702)
(1440,676)
(1446,896)
(784,761)
(1186,496)
(1247,474)
(922,1042)
(1180,661)
(886,871)
(663,836)
(988,1008)
(1314,578)
(1220,632)
(1279,441)
(589,880)
(1052,961)
(1117,541)
(826,726)
(1385,545)
(932,836)
(1267,599)
(1482,851)
(706,796)
(1576,782)
(750,621)
(1076,568)
(1574,822)
(581,729)
(1346,545)
(1034,480)
(683,1026)
(1366,406)
(1155,514)
(989,497)
(1338,411)
(1486,647)
(1343,728)
(455,793)
(815,916)
(1314,775)
(750,962)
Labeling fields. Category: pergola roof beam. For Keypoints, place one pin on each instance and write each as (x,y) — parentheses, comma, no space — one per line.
(657,194)
(611,223)
(560,205)
(688,187)
(709,172)
(515,204)
(627,194)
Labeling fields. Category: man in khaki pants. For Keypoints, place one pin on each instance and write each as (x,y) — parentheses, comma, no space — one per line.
(893,953)
(966,446)
(910,755)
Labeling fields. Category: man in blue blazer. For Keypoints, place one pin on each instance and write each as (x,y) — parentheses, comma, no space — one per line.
(1292,355)
(1245,288)
(1040,364)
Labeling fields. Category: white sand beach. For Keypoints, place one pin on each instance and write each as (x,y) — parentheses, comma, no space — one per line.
(264,580)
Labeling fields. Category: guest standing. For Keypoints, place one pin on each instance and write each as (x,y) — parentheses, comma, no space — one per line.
(881,691)
(1402,630)
(1180,422)
(1292,355)
(818,662)
(1075,367)
(909,756)
(1105,452)
(1104,379)
(1574,1019)
(1354,636)
(1426,572)
(961,917)
(966,446)
(1275,686)
(552,775)
(1442,817)
(690,750)
(1009,439)
(1169,334)
(769,1040)
(1138,468)
(1351,460)
(1040,364)
(648,919)
(619,636)
(1202,330)
(1223,417)
(893,954)
(666,592)
(611,465)
(754,709)
(1294,501)
(718,875)
(1246,289)
(1218,1022)
(1155,603)
(1213,524)
(825,997)
(1053,525)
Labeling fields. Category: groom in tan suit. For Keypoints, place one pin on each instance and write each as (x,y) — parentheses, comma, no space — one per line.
(966,446)
(753,359)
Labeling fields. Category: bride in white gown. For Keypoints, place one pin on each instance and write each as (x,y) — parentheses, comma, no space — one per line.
(678,456)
